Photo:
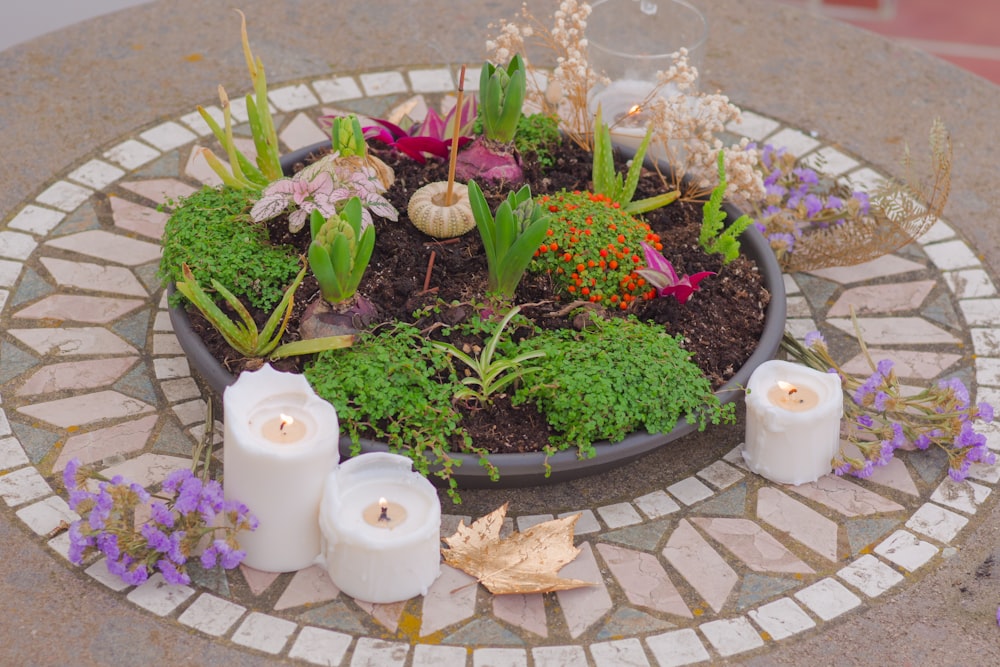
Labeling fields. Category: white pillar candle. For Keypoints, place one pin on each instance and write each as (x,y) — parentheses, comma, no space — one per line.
(382,529)
(621,103)
(793,422)
(281,442)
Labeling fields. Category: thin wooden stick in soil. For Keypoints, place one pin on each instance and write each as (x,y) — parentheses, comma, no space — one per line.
(454,141)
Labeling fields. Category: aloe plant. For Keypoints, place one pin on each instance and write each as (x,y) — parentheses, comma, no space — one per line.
(511,238)
(340,250)
(610,183)
(489,375)
(242,173)
(244,336)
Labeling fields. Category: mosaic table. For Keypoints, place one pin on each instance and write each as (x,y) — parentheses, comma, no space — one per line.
(714,564)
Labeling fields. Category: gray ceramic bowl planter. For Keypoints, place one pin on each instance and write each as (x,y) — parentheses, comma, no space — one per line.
(529,469)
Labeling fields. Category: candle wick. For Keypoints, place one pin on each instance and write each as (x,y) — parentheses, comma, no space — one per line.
(384,514)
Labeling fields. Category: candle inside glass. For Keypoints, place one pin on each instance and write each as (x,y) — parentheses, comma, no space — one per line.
(791,397)
(283,429)
(384,514)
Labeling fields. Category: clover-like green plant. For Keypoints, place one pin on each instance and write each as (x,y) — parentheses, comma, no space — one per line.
(612,184)
(511,238)
(340,251)
(490,375)
(501,95)
(242,173)
(714,236)
(244,336)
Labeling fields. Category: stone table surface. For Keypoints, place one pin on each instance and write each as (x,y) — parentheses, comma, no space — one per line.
(74,94)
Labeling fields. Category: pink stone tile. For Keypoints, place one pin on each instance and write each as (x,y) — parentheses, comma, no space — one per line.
(159,190)
(877,299)
(107,246)
(139,219)
(582,607)
(78,308)
(300,132)
(71,341)
(893,474)
(103,443)
(197,167)
(258,580)
(76,375)
(700,565)
(386,614)
(922,365)
(524,611)
(450,599)
(890,265)
(94,277)
(845,497)
(309,586)
(87,408)
(752,544)
(802,523)
(644,580)
(896,331)
(148,469)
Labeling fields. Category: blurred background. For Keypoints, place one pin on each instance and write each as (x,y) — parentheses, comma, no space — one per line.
(964,32)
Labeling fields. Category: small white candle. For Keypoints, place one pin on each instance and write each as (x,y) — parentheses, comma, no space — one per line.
(281,441)
(381,526)
(621,103)
(793,422)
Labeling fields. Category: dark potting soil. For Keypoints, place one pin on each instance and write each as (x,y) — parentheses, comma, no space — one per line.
(720,324)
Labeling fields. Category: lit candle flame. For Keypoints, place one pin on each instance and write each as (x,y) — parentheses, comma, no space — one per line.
(286,420)
(787,387)
(633,110)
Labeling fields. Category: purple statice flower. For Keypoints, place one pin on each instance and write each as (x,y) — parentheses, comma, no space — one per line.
(898,436)
(867,388)
(79,496)
(211,501)
(136,576)
(70,473)
(922,441)
(806,175)
(171,574)
(78,543)
(862,199)
(156,538)
(881,399)
(814,337)
(161,515)
(189,495)
(140,492)
(175,552)
(774,189)
(967,437)
(119,567)
(884,367)
(242,514)
(220,551)
(959,474)
(813,205)
(107,543)
(958,388)
(175,479)
(782,240)
(866,471)
(985,412)
(101,511)
(842,469)
(835,203)
(865,421)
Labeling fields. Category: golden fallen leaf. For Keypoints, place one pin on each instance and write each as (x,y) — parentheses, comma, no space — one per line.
(525,562)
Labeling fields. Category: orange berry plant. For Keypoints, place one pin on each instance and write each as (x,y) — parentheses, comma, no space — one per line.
(592,250)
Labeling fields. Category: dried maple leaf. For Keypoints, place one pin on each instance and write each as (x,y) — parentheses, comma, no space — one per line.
(521,563)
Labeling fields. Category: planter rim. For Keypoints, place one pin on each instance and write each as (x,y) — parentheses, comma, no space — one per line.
(528,469)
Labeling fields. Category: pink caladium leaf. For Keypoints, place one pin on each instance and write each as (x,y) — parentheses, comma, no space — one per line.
(660,273)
